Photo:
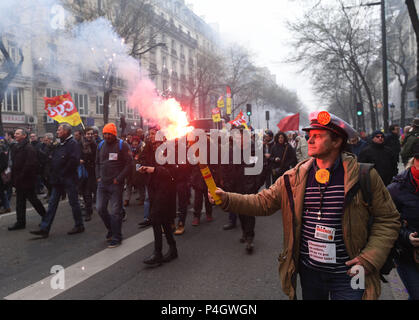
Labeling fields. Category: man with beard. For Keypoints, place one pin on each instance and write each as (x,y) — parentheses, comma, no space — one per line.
(113,164)
(88,159)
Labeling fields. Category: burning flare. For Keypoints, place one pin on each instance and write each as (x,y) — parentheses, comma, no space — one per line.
(168,114)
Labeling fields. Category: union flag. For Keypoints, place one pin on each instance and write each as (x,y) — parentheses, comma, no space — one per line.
(62,109)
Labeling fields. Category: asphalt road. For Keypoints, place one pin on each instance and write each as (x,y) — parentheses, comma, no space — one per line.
(212,264)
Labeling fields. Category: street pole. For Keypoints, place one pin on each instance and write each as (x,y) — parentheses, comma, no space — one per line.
(384,54)
(385,76)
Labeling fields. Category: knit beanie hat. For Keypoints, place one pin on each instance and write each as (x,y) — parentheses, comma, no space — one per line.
(110,128)
(377,132)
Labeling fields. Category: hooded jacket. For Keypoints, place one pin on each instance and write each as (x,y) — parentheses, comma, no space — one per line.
(373,247)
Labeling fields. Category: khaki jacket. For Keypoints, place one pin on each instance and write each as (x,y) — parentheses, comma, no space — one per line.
(373,249)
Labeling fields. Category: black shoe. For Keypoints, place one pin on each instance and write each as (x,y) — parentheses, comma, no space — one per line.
(249,247)
(76,230)
(156,259)
(40,232)
(170,255)
(16,226)
(114,243)
(88,217)
(109,236)
(145,223)
(242,240)
(229,226)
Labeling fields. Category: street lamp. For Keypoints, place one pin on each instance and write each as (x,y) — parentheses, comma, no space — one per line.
(384,54)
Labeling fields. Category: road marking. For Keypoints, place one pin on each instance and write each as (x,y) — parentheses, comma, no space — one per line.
(84,269)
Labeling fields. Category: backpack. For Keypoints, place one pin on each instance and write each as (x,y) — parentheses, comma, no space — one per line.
(365,186)
(103,141)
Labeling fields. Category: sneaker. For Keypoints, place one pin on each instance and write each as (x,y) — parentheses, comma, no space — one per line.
(180,229)
(109,236)
(114,244)
(209,218)
(195,221)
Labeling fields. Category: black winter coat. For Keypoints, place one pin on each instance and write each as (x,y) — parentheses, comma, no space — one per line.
(24,165)
(161,185)
(393,142)
(383,158)
(289,161)
(235,180)
(406,199)
(64,162)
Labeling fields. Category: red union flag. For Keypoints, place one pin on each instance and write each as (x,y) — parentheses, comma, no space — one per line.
(291,123)
(62,109)
(239,121)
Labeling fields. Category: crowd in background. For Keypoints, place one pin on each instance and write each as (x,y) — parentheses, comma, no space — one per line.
(31,166)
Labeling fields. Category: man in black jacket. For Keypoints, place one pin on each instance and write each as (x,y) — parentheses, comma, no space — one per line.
(113,164)
(87,160)
(64,162)
(381,156)
(392,140)
(24,178)
(235,180)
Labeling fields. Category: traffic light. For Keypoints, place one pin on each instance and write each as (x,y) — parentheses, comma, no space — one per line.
(249,109)
(359,109)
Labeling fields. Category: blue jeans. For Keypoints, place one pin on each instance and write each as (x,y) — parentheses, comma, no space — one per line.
(112,194)
(409,273)
(317,285)
(4,199)
(57,191)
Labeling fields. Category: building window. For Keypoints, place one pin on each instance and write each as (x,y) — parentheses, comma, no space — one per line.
(130,113)
(13,100)
(99,105)
(81,102)
(13,51)
(122,107)
(49,92)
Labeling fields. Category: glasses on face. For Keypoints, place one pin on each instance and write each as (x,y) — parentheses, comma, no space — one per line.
(379,137)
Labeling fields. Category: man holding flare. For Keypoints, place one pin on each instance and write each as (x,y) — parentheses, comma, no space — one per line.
(325,219)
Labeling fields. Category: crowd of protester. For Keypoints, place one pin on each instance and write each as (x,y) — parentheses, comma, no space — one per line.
(96,170)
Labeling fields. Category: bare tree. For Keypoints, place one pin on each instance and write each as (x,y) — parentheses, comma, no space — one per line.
(135,21)
(399,59)
(332,35)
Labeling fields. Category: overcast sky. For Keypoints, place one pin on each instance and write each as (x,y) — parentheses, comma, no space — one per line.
(260,26)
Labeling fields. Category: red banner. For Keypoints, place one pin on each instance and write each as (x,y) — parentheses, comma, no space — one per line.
(291,123)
